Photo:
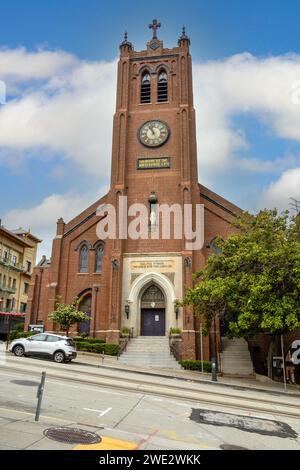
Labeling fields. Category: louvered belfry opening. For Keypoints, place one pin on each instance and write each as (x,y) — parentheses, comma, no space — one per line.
(162,87)
(146,88)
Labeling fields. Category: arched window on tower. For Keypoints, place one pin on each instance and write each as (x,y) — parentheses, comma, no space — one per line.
(162,86)
(99,257)
(146,88)
(83,259)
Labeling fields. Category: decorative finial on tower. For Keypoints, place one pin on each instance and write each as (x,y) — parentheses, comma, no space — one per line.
(183,36)
(126,42)
(154,26)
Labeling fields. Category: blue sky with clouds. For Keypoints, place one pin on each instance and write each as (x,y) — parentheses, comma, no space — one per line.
(58,61)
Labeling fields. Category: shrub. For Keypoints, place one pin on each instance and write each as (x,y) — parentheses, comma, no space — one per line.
(95,340)
(79,339)
(196,365)
(25,334)
(83,336)
(81,345)
(98,348)
(125,331)
(109,348)
(175,331)
(19,328)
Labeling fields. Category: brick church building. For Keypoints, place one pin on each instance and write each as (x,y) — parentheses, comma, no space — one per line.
(134,283)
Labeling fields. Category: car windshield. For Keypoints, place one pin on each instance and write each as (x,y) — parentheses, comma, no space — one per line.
(70,342)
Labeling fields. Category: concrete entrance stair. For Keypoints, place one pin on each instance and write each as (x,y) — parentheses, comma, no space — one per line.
(235,358)
(150,351)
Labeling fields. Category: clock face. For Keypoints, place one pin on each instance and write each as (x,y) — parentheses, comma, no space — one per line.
(153,133)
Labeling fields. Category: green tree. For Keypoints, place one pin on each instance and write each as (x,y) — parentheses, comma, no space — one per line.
(255,278)
(67,315)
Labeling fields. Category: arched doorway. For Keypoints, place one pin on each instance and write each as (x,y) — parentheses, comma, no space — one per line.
(153,312)
(85,307)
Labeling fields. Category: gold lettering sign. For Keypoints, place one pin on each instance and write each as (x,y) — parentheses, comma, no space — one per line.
(158,264)
(152,163)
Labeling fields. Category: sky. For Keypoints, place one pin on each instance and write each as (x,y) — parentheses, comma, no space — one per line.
(58,64)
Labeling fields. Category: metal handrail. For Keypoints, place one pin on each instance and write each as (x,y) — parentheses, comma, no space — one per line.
(123,346)
(173,349)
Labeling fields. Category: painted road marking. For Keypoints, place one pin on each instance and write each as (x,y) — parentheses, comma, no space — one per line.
(10,410)
(101,413)
(109,443)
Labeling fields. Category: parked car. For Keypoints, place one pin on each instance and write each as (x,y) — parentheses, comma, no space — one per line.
(59,348)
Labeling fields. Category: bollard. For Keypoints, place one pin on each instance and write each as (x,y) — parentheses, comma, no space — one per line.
(39,396)
(213,370)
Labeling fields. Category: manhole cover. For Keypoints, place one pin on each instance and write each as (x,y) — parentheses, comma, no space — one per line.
(72,435)
(30,383)
(232,447)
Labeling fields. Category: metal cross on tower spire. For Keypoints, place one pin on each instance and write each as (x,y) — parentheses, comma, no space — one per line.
(154,25)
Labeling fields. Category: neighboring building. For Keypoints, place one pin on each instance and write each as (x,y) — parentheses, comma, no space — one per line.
(134,283)
(18,250)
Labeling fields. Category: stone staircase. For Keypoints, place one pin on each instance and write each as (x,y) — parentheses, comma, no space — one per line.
(149,351)
(235,358)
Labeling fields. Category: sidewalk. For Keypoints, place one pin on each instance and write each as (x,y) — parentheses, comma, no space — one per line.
(111,362)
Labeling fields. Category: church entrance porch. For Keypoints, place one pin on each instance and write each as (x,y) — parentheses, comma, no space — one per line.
(153,322)
(151,282)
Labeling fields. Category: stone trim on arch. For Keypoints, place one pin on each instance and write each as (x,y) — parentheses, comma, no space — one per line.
(162,66)
(134,299)
(157,278)
(81,243)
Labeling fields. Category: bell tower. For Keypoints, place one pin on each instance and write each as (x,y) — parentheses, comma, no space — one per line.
(154,161)
(154,141)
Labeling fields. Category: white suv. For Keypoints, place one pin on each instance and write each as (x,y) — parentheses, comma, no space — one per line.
(59,348)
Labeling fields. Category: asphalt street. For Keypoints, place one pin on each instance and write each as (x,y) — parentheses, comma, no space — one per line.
(127,418)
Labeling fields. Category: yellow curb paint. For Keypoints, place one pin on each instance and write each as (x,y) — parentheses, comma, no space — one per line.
(108,443)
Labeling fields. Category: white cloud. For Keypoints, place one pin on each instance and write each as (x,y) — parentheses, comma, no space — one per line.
(68,113)
(41,219)
(243,84)
(279,192)
(17,65)
(70,110)
(63,105)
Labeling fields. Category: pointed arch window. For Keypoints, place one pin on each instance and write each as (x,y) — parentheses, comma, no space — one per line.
(83,259)
(99,257)
(146,88)
(162,86)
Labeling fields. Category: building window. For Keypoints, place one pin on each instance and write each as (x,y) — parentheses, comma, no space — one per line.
(162,87)
(26,287)
(146,88)
(28,266)
(14,260)
(83,259)
(4,281)
(214,247)
(23,307)
(99,258)
(14,284)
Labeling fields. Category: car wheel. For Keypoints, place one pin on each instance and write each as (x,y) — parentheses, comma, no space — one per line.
(18,350)
(59,357)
